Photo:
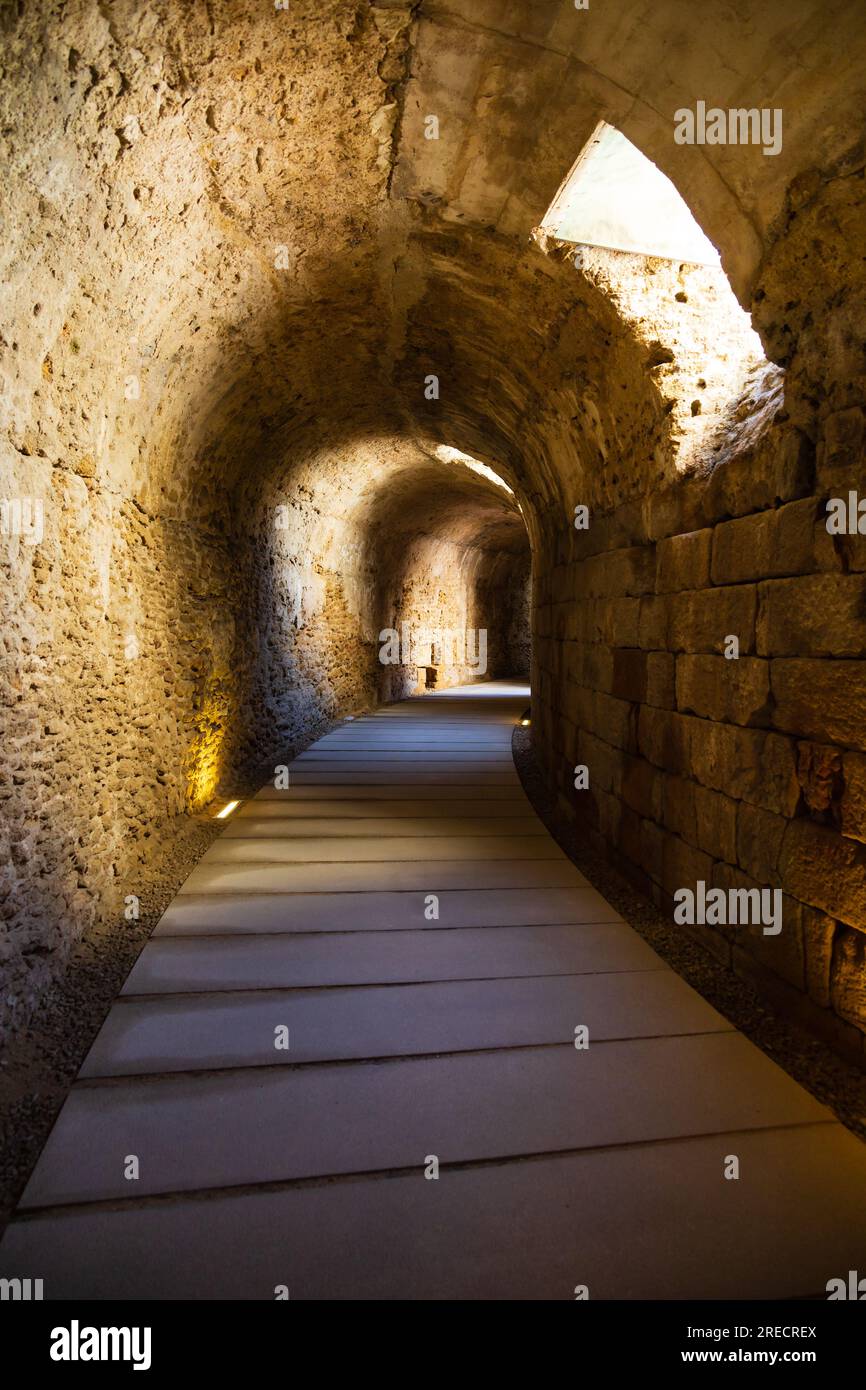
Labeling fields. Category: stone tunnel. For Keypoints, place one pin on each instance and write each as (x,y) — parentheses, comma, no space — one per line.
(352,411)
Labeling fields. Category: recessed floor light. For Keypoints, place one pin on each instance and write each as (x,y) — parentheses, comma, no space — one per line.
(226,810)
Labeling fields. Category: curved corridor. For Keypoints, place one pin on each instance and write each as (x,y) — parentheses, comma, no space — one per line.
(376,374)
(388,1042)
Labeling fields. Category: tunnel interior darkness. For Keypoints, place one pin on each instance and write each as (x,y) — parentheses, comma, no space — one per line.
(373,537)
(234,263)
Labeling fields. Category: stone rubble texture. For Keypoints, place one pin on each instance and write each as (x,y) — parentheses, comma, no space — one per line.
(169,389)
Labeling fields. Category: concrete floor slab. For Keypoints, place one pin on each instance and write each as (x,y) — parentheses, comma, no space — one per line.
(654,1221)
(440,827)
(392,791)
(237,1030)
(499,808)
(490,760)
(421,774)
(359,878)
(336,957)
(384,849)
(224,1129)
(242,913)
(420,742)
(416,763)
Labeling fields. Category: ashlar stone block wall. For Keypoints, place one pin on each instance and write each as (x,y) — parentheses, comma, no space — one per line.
(746,772)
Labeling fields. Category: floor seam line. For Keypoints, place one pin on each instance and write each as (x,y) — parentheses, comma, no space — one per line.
(48,1210)
(115,1080)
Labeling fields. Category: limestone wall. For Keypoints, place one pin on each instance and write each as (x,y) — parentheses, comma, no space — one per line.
(152,665)
(746,771)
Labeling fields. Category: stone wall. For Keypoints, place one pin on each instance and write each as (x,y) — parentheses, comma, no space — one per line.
(739,772)
(153,664)
(117,631)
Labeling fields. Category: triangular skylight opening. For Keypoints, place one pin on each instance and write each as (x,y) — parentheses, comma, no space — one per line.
(449,455)
(615,197)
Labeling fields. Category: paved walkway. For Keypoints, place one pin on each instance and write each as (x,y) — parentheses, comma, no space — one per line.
(413,1036)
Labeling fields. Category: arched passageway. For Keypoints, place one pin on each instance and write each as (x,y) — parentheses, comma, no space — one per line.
(291,358)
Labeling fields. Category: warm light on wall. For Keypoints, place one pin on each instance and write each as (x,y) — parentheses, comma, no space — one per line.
(226,810)
(204,761)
